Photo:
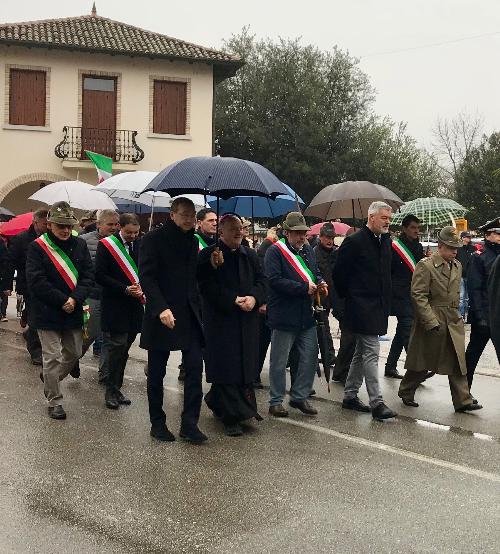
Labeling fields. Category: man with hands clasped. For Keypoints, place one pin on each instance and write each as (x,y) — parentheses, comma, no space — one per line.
(172,320)
(294,278)
(59,275)
(232,288)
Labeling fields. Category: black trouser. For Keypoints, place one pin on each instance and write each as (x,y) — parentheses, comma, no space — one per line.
(193,394)
(264,340)
(3,304)
(30,334)
(479,337)
(116,350)
(345,353)
(400,341)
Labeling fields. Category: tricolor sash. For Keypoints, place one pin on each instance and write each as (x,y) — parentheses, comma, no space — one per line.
(296,261)
(60,259)
(201,243)
(122,258)
(405,254)
(65,267)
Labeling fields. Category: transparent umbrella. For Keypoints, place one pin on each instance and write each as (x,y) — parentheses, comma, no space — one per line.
(431,211)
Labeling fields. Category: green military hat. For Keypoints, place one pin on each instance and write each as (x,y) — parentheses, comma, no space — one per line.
(449,236)
(295,221)
(62,214)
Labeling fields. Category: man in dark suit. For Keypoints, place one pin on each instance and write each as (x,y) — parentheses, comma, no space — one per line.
(406,253)
(121,302)
(362,275)
(172,320)
(18,251)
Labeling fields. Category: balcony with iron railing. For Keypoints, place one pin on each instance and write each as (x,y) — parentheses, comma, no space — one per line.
(119,144)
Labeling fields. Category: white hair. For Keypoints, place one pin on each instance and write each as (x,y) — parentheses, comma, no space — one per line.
(378,206)
(104,214)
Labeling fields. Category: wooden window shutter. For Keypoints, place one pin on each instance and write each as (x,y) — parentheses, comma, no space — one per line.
(27,100)
(169,107)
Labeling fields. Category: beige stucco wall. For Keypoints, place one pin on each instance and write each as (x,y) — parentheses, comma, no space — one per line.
(28,155)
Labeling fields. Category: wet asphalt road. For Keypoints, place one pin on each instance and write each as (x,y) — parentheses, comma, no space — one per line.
(338,482)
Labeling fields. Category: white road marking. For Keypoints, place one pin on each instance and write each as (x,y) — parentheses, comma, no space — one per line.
(394,450)
(364,442)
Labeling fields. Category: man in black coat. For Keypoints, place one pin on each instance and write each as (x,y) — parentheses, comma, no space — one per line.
(463,256)
(479,303)
(59,274)
(494,296)
(172,321)
(232,287)
(18,251)
(324,252)
(362,276)
(5,282)
(122,309)
(406,253)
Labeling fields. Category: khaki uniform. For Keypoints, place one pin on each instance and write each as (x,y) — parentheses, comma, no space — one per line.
(435,291)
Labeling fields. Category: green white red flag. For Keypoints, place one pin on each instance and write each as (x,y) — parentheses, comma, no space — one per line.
(103,165)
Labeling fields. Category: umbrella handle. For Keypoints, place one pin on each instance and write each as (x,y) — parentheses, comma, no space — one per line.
(318,298)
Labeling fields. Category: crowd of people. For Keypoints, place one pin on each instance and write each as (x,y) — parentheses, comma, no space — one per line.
(196,285)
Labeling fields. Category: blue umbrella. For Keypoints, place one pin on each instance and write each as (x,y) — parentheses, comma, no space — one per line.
(220,177)
(258,206)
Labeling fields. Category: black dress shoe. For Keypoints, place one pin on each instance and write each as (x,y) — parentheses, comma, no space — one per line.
(303,406)
(36,360)
(57,412)
(469,408)
(355,404)
(162,434)
(193,435)
(233,430)
(408,402)
(258,384)
(381,411)
(111,402)
(75,372)
(393,374)
(278,411)
(122,399)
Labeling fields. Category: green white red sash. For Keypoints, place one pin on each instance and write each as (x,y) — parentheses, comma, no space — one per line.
(405,254)
(65,267)
(201,243)
(296,261)
(122,258)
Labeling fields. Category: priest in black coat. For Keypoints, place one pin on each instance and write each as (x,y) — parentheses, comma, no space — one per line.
(172,319)
(121,306)
(232,288)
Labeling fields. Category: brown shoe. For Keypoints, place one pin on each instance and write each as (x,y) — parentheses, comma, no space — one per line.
(278,411)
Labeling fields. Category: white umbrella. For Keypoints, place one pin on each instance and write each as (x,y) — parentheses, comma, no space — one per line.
(77,194)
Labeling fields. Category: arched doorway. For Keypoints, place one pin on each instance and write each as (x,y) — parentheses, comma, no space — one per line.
(14,195)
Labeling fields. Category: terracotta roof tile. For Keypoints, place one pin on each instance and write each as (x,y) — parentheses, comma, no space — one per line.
(99,34)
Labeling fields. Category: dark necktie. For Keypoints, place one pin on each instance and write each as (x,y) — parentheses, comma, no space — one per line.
(129,246)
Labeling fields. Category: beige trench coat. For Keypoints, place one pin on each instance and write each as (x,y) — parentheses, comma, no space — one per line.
(435,291)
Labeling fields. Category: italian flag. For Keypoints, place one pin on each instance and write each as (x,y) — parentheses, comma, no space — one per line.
(103,164)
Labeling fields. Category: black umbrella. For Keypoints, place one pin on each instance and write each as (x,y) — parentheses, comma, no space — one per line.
(220,177)
(5,214)
(322,333)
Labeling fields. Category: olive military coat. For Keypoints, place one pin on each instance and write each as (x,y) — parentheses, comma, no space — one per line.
(437,341)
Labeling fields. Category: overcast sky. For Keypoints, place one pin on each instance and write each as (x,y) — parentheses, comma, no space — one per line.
(416,84)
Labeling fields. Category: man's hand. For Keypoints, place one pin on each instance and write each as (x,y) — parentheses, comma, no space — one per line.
(167,318)
(134,290)
(69,305)
(249,303)
(263,309)
(323,288)
(312,289)
(216,258)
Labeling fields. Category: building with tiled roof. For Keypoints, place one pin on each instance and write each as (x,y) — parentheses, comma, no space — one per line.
(90,83)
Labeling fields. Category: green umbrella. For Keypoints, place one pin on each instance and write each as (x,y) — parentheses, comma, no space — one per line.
(431,211)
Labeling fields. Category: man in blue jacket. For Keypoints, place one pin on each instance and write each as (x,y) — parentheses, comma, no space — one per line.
(294,278)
